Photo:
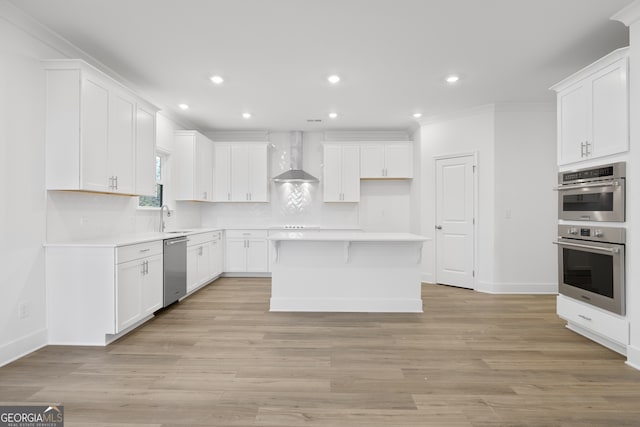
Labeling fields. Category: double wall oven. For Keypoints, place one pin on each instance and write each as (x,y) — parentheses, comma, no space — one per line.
(591,257)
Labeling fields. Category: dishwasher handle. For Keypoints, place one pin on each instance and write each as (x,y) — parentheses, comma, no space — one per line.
(175,241)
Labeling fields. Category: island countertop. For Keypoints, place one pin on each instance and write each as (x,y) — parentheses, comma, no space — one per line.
(345,236)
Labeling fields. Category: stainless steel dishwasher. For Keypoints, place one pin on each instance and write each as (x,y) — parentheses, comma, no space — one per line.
(175,269)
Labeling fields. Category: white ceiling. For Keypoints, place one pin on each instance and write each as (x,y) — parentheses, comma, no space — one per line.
(392,55)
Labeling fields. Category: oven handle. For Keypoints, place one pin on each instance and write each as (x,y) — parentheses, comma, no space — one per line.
(591,184)
(595,248)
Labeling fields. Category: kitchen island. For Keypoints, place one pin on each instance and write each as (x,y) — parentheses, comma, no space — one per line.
(346,271)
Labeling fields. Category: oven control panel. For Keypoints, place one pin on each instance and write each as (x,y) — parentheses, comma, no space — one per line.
(597,234)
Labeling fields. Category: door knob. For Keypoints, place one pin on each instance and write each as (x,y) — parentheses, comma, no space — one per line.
(438,227)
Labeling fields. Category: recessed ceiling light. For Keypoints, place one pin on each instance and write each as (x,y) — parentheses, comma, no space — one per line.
(417,115)
(183,106)
(333,115)
(217,80)
(333,79)
(453,78)
(246,115)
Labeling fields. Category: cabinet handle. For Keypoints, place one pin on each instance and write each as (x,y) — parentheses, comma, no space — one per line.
(581,149)
(204,195)
(585,317)
(200,251)
(144,250)
(587,153)
(229,196)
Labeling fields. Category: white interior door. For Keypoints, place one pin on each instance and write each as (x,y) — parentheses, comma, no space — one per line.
(455,197)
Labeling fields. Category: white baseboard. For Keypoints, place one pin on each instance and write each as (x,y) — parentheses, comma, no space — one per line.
(14,350)
(352,305)
(518,288)
(633,357)
(427,278)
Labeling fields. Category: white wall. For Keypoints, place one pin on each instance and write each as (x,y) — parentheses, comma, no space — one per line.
(22,211)
(513,143)
(632,18)
(384,205)
(525,204)
(468,132)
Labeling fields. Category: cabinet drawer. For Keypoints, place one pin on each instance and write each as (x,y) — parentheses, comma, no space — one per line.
(140,250)
(200,238)
(246,234)
(608,325)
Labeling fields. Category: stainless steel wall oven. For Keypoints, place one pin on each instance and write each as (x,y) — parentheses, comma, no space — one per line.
(592,194)
(591,265)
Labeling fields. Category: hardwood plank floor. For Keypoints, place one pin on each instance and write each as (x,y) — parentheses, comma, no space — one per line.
(220,358)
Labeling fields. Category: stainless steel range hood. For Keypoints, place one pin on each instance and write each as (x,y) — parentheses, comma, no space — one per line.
(295,174)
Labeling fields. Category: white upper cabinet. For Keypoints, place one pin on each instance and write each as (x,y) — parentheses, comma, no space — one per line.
(193,166)
(93,142)
(386,160)
(241,172)
(593,110)
(341,181)
(145,151)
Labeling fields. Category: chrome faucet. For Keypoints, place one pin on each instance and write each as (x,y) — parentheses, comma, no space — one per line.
(162,216)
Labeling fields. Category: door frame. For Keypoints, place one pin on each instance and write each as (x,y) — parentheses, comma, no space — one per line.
(476,192)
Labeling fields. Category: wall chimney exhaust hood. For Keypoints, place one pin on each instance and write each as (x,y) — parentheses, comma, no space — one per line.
(295,174)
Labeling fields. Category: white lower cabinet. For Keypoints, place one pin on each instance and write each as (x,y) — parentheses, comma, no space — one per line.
(204,259)
(138,282)
(95,292)
(139,290)
(606,328)
(246,251)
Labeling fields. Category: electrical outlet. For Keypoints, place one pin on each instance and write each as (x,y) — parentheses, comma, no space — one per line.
(23,310)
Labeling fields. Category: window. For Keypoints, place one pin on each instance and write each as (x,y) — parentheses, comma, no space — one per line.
(156,200)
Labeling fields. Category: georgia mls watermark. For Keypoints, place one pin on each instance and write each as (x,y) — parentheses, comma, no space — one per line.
(32,416)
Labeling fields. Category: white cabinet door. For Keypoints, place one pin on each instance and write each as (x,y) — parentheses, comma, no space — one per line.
(573,123)
(216,258)
(593,110)
(128,293)
(192,171)
(398,160)
(610,110)
(203,263)
(193,252)
(372,162)
(94,131)
(341,173)
(203,169)
(332,182)
(258,179)
(145,151)
(236,255)
(351,173)
(222,171)
(239,173)
(152,286)
(257,259)
(121,147)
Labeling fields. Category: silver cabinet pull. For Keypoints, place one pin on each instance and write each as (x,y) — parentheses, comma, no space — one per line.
(438,227)
(144,250)
(589,319)
(593,248)
(614,183)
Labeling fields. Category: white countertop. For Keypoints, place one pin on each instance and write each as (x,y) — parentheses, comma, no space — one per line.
(131,239)
(346,236)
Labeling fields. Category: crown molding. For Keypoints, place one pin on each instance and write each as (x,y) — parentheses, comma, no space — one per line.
(629,14)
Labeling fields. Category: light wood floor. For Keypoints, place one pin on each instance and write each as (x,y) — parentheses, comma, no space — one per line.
(220,358)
